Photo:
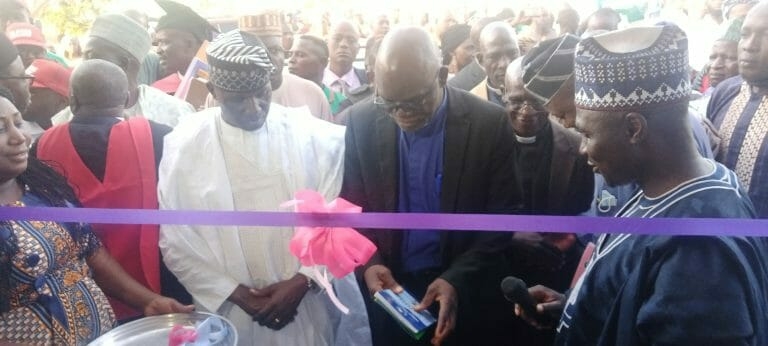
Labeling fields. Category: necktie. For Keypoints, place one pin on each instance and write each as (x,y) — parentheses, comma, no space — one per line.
(342,86)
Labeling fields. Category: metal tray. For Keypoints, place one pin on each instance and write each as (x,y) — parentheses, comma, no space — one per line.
(154,330)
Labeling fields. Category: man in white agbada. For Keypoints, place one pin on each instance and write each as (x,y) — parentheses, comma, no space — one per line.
(252,155)
(122,41)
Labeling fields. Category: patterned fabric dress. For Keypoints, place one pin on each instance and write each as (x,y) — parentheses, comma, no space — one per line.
(53,299)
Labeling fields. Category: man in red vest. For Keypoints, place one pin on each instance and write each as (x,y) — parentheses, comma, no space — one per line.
(112,163)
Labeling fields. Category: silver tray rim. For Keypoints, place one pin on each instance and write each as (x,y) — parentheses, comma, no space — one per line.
(158,323)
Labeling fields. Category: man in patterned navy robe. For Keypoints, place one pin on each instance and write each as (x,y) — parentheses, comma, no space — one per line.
(657,289)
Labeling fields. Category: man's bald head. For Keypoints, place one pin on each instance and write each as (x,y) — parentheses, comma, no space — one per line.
(407,59)
(497,48)
(407,84)
(496,30)
(513,78)
(477,28)
(98,88)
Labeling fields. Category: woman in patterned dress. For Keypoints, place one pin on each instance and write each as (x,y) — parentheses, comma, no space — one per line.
(52,274)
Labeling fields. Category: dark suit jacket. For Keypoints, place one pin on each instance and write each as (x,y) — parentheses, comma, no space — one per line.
(468,77)
(361,75)
(476,179)
(355,96)
(572,181)
(570,186)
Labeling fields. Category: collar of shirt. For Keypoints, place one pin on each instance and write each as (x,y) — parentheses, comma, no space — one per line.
(545,132)
(435,124)
(332,80)
(525,140)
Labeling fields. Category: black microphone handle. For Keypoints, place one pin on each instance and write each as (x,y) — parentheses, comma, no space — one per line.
(516,291)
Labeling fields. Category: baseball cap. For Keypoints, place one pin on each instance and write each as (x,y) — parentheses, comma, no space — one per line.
(25,33)
(50,75)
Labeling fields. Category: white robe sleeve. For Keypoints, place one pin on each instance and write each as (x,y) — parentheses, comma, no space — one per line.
(188,255)
(353,328)
(195,254)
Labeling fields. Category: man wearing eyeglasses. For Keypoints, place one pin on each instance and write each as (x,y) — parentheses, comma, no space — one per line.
(420,146)
(13,77)
(555,180)
(12,74)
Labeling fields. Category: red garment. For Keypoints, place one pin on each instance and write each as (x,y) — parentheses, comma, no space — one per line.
(130,181)
(704,83)
(168,84)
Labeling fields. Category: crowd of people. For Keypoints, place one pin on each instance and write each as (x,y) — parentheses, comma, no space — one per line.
(499,115)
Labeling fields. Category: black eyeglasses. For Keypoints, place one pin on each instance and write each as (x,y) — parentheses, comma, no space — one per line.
(516,106)
(416,104)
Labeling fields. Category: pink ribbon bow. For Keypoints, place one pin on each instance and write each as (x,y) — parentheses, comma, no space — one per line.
(340,249)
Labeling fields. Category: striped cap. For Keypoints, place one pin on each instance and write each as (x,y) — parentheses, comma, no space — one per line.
(632,69)
(548,66)
(239,62)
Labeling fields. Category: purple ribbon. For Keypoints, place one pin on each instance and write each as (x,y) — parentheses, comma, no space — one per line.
(416,221)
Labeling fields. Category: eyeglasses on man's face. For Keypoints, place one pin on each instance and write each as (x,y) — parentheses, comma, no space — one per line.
(416,104)
(516,105)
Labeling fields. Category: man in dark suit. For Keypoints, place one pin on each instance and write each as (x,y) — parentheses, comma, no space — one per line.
(420,146)
(343,46)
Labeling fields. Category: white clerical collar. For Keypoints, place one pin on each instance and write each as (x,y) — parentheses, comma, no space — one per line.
(525,140)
